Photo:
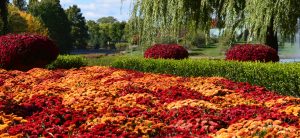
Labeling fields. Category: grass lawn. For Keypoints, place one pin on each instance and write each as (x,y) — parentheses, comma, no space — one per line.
(212,52)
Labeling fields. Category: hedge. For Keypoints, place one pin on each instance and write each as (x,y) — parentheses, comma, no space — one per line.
(68,62)
(283,78)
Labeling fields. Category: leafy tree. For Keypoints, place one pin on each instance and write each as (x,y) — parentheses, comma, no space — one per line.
(21,4)
(55,19)
(108,19)
(94,34)
(32,2)
(16,24)
(280,16)
(117,31)
(106,31)
(263,18)
(104,34)
(4,14)
(79,30)
(20,22)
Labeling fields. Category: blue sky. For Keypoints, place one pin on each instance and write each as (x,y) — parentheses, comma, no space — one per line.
(94,9)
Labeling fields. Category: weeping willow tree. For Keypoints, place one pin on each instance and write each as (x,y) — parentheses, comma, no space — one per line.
(157,18)
(267,18)
(263,18)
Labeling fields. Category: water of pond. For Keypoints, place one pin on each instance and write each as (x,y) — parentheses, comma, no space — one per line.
(289,60)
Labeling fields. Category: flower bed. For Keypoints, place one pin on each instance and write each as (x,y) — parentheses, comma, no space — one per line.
(107,102)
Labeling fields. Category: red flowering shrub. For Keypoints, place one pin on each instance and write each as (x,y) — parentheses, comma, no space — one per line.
(166,51)
(26,51)
(252,52)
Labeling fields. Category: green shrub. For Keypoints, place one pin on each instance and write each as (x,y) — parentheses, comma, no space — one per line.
(121,46)
(198,40)
(68,62)
(283,78)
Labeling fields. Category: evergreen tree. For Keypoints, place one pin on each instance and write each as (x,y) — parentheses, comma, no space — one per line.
(55,19)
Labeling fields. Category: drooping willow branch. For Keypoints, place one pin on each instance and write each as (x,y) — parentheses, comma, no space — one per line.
(154,18)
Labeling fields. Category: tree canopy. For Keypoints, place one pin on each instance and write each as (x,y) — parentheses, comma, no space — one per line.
(263,18)
(3,14)
(105,32)
(94,34)
(20,4)
(79,30)
(55,19)
(20,22)
(108,19)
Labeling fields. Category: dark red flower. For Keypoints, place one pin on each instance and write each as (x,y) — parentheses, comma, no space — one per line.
(26,51)
(166,51)
(252,52)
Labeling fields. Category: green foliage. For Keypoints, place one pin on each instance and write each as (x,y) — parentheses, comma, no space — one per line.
(117,31)
(156,17)
(261,17)
(122,46)
(55,19)
(23,22)
(282,78)
(281,14)
(106,32)
(1,26)
(3,15)
(108,20)
(79,30)
(227,40)
(94,34)
(16,24)
(20,4)
(104,60)
(197,39)
(68,62)
(166,40)
(32,2)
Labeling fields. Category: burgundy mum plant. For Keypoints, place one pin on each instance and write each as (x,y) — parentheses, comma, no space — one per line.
(26,51)
(166,51)
(252,52)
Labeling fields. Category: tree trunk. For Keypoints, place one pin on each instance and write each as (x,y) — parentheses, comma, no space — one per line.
(271,37)
(4,14)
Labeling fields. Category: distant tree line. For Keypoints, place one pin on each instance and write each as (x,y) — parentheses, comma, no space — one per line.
(105,32)
(68,28)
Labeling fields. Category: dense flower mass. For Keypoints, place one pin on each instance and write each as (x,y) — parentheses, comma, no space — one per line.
(166,51)
(107,102)
(26,51)
(252,52)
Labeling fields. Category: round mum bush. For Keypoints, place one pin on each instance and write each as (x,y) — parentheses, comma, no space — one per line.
(252,52)
(26,51)
(166,51)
